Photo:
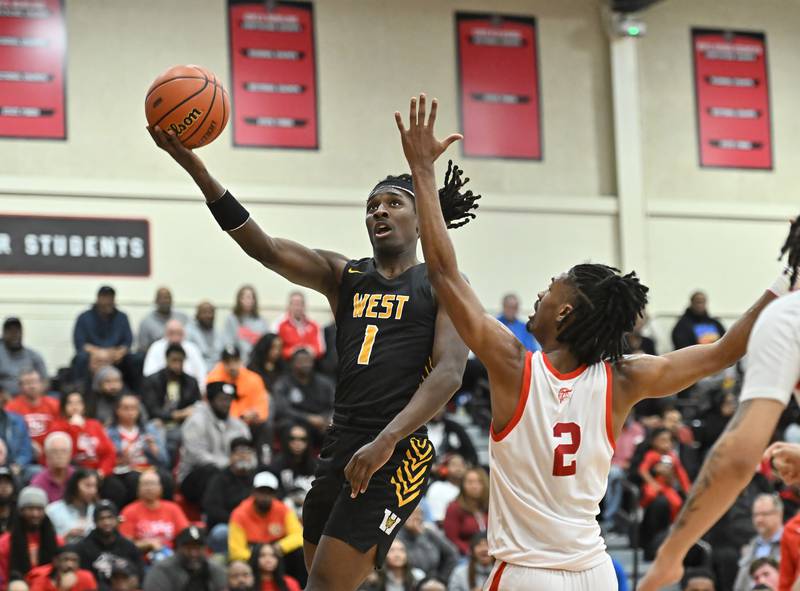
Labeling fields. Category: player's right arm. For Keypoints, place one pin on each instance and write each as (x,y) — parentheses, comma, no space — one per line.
(319,270)
(498,349)
(773,371)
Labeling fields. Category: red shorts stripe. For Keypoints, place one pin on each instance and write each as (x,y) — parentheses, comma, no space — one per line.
(496,580)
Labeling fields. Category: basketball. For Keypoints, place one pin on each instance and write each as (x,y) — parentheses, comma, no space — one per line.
(190,101)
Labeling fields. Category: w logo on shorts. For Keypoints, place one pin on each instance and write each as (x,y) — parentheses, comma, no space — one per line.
(410,476)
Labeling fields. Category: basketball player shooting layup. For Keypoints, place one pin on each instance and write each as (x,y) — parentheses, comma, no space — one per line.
(400,361)
(555,414)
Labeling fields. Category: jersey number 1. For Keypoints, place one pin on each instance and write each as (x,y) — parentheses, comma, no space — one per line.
(559,467)
(366,346)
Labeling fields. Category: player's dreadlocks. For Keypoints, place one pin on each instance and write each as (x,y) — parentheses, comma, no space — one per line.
(456,206)
(606,307)
(792,246)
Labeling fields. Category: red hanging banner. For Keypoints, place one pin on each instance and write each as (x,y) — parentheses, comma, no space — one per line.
(273,74)
(732,99)
(32,69)
(499,86)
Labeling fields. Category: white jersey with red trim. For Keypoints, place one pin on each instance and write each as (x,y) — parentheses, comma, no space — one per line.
(549,469)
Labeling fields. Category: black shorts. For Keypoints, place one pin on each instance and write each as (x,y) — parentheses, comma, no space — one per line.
(375,517)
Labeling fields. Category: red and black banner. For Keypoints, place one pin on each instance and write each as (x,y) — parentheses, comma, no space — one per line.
(32,69)
(273,74)
(732,90)
(499,84)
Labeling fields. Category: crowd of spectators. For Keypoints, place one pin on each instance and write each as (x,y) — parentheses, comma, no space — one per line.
(181,458)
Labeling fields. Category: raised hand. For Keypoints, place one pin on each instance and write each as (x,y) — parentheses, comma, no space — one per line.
(169,142)
(420,146)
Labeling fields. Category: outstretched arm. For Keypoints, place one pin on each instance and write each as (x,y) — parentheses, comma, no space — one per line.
(498,349)
(319,270)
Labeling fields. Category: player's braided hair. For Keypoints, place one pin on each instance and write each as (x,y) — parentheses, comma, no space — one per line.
(792,246)
(605,309)
(456,206)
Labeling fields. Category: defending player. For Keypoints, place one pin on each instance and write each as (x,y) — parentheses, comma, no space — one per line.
(400,360)
(555,414)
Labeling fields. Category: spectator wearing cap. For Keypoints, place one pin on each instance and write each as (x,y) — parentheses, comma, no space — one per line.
(31,541)
(14,433)
(8,497)
(226,490)
(64,574)
(152,522)
(244,326)
(108,388)
(207,437)
(123,577)
(38,410)
(202,333)
(240,577)
(251,403)
(14,356)
(152,326)
(263,519)
(73,516)
(103,335)
(156,358)
(58,455)
(105,547)
(188,568)
(297,330)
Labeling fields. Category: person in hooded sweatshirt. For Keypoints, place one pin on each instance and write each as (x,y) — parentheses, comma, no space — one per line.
(696,327)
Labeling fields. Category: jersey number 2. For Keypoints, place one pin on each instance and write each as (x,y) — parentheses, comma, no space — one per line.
(559,467)
(366,346)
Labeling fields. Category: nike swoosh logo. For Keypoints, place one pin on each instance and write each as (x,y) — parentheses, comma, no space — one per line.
(351,270)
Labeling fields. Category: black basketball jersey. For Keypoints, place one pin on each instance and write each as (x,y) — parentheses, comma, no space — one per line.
(384,339)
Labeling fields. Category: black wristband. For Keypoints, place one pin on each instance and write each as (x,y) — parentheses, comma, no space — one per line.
(229,213)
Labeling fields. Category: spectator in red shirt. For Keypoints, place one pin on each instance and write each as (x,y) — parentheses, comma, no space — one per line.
(469,513)
(57,453)
(151,522)
(790,553)
(298,331)
(37,409)
(91,446)
(31,541)
(63,574)
(661,444)
(270,571)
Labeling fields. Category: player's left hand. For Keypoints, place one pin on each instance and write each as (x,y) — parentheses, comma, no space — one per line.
(419,144)
(664,572)
(365,462)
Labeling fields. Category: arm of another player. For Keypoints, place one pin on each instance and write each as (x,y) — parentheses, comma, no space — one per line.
(498,349)
(319,270)
(449,359)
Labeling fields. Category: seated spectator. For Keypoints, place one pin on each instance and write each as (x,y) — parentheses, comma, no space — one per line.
(683,440)
(263,519)
(714,421)
(138,447)
(449,437)
(189,568)
(397,573)
(91,447)
(64,574)
(18,585)
(297,330)
(240,577)
(765,571)
(156,358)
(432,584)
(169,394)
(269,570)
(105,331)
(8,498)
(124,577)
(696,327)
(637,343)
(14,433)
(153,325)
(428,550)
(73,516)
(202,333)
(107,390)
(207,437)
(104,547)
(15,357)
(227,490)
(443,492)
(790,552)
(296,464)
(509,319)
(266,360)
(304,396)
(661,500)
(632,435)
(152,522)
(329,363)
(31,541)
(251,403)
(57,454)
(768,522)
(468,514)
(37,409)
(244,326)
(473,574)
(698,579)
